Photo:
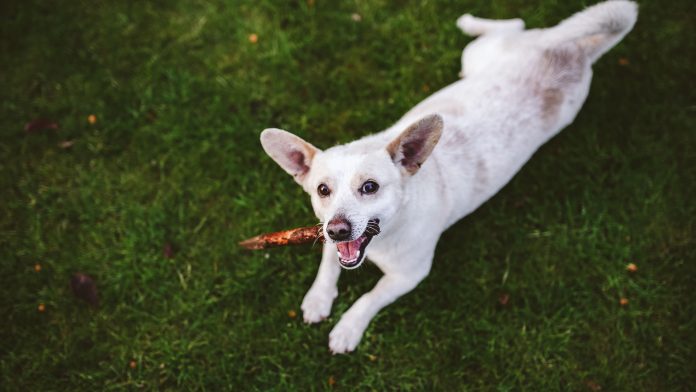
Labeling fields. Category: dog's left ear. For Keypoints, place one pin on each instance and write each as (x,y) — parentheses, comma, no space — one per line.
(292,153)
(415,144)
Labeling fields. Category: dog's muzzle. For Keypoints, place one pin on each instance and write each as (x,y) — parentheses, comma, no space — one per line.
(352,253)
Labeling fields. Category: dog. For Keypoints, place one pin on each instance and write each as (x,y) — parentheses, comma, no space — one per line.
(389,196)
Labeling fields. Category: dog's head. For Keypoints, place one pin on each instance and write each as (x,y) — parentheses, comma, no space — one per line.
(358,187)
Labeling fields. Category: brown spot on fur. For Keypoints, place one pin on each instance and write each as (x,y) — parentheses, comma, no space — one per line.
(592,40)
(563,65)
(551,101)
(481,176)
(455,137)
(560,67)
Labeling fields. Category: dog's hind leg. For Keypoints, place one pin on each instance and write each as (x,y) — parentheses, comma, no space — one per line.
(596,29)
(474,26)
(485,48)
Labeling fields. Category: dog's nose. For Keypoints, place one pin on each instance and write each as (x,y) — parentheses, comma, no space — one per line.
(338,229)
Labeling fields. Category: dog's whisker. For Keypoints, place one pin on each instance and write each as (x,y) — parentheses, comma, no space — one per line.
(372,228)
(371,231)
(320,235)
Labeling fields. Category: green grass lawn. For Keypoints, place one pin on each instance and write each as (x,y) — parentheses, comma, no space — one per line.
(180,96)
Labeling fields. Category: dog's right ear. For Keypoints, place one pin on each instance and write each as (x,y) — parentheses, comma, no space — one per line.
(415,144)
(292,153)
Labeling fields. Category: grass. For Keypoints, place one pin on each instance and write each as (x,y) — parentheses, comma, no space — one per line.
(181,95)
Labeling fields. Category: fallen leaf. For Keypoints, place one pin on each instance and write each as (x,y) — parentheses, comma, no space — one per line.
(631,267)
(356,17)
(371,357)
(132,364)
(310,3)
(66,144)
(623,61)
(92,119)
(503,298)
(623,301)
(332,381)
(151,115)
(83,287)
(40,124)
(253,38)
(593,386)
(37,267)
(519,203)
(168,251)
(292,314)
(41,308)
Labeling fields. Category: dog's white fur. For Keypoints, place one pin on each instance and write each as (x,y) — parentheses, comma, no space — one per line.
(519,89)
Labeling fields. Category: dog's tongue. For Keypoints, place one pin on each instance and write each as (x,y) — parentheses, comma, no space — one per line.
(349,250)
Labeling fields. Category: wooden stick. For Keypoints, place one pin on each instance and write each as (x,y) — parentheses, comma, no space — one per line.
(299,236)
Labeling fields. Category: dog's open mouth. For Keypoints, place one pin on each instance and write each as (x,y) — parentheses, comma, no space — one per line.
(352,253)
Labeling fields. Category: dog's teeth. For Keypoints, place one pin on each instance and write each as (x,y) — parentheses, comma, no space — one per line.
(357,256)
(339,254)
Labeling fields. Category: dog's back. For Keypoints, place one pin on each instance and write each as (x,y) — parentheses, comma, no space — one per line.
(519,89)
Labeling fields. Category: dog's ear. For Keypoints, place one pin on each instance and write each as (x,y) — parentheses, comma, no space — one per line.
(292,153)
(415,144)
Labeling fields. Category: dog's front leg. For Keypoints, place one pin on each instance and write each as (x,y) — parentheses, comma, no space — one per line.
(347,333)
(316,305)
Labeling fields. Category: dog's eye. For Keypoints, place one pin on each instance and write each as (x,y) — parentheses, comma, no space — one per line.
(323,190)
(369,187)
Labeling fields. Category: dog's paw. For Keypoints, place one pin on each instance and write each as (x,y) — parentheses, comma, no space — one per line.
(344,337)
(316,305)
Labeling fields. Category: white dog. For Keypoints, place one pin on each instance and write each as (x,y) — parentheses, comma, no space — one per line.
(389,196)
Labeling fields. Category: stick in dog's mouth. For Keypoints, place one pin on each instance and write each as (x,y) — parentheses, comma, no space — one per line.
(352,253)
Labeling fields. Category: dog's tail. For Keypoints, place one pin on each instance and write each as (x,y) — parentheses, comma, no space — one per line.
(597,28)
